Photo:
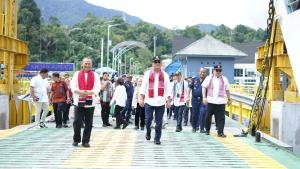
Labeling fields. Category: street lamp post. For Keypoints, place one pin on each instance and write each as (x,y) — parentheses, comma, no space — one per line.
(109,42)
(130,65)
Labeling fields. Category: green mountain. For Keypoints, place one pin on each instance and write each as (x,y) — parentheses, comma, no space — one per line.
(70,12)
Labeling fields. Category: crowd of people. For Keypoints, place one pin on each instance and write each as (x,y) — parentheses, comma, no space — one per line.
(147,98)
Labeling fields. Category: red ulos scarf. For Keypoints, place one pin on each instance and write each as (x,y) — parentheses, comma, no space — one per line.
(161,81)
(211,87)
(85,85)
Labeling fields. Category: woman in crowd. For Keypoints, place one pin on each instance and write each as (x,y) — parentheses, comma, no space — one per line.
(119,98)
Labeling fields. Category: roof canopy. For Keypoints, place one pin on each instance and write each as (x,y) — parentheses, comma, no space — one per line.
(209,46)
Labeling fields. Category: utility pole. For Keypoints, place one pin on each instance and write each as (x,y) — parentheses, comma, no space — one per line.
(108,43)
(154,46)
(102,47)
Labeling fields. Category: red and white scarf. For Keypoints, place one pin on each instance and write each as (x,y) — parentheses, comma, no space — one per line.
(84,84)
(161,81)
(182,91)
(211,87)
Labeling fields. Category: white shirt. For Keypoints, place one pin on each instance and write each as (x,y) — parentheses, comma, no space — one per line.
(74,86)
(41,88)
(156,100)
(177,89)
(215,98)
(136,96)
(120,96)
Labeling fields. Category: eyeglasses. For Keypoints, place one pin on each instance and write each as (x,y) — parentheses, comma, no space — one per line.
(218,70)
(156,61)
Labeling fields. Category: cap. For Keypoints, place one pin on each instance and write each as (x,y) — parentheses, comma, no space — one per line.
(155,58)
(217,67)
(177,73)
(129,75)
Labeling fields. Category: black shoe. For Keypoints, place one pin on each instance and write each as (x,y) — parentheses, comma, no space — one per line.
(75,144)
(125,125)
(157,142)
(142,128)
(117,127)
(104,125)
(178,130)
(184,124)
(42,125)
(207,133)
(202,131)
(222,135)
(65,125)
(136,127)
(194,130)
(108,124)
(86,145)
(148,136)
(59,126)
(197,128)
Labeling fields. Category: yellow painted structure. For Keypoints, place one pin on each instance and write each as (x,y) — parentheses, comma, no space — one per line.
(14,57)
(281,64)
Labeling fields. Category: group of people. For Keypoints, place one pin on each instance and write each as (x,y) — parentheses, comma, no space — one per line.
(150,97)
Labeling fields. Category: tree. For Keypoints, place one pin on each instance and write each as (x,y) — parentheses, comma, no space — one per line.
(192,32)
(223,33)
(242,33)
(29,24)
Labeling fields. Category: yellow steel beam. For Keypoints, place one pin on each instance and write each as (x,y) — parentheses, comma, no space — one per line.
(12,45)
(1,17)
(241,112)
(14,20)
(8,18)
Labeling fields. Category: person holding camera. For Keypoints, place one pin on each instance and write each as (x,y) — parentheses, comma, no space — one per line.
(180,95)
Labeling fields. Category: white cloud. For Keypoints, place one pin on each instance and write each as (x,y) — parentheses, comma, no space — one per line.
(180,13)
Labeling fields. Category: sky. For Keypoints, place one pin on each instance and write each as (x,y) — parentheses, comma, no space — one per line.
(181,13)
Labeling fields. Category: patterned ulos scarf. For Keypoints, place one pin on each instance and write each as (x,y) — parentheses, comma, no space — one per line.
(84,84)
(211,87)
(161,81)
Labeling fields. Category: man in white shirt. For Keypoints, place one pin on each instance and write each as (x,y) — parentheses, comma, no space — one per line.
(155,95)
(214,88)
(179,97)
(39,91)
(85,86)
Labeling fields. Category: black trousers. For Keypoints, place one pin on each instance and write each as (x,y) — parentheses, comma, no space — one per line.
(139,115)
(105,110)
(68,106)
(60,113)
(119,117)
(219,111)
(88,114)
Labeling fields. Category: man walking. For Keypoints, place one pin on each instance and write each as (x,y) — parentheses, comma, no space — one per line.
(214,88)
(180,95)
(39,91)
(129,90)
(59,97)
(199,109)
(85,86)
(155,95)
(105,97)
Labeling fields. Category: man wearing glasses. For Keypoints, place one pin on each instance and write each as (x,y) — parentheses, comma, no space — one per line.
(155,95)
(214,88)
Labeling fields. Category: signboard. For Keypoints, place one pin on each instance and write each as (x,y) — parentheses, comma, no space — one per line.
(54,67)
